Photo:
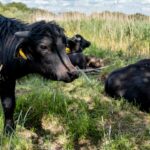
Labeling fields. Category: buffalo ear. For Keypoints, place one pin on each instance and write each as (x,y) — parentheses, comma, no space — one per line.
(21,54)
(23,50)
(24,53)
(22,34)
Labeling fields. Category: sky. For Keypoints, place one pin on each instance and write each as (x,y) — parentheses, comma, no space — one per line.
(89,6)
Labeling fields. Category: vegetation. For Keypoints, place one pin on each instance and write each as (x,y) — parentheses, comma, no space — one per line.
(78,115)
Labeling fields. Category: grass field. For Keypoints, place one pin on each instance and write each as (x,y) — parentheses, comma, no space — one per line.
(54,115)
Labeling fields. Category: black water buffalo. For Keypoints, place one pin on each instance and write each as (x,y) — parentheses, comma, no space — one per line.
(84,61)
(30,48)
(74,49)
(78,60)
(77,44)
(132,83)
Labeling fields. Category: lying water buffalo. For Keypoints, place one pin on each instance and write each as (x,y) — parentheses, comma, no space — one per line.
(30,48)
(74,49)
(77,44)
(131,82)
(78,59)
(84,61)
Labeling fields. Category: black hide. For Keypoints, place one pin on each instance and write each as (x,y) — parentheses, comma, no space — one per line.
(132,83)
(77,44)
(43,45)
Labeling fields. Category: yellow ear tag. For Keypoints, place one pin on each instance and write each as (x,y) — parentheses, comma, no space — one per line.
(68,50)
(22,54)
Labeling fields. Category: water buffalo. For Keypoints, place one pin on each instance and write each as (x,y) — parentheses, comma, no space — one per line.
(74,49)
(84,61)
(30,48)
(78,60)
(132,83)
(77,44)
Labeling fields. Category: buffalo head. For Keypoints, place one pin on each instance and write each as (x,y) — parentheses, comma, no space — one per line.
(78,43)
(42,46)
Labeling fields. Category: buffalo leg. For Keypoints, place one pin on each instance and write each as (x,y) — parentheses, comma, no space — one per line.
(8,104)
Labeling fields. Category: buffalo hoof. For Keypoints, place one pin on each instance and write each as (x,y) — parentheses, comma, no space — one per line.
(9,127)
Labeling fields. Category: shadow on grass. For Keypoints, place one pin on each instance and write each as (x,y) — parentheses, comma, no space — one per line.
(85,126)
(73,113)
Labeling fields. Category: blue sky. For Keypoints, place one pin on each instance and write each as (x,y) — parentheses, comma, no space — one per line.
(88,6)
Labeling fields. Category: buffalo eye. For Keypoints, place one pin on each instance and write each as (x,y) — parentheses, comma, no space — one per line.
(44,47)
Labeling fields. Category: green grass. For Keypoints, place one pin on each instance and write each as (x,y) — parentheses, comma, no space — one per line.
(78,115)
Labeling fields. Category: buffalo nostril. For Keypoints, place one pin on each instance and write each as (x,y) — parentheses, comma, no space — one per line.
(73,74)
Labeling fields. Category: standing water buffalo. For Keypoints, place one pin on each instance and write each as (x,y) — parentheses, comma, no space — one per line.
(132,83)
(35,48)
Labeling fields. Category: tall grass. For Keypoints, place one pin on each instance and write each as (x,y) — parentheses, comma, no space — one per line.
(129,34)
(115,32)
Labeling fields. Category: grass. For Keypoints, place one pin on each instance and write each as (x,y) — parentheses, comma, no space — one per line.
(78,115)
